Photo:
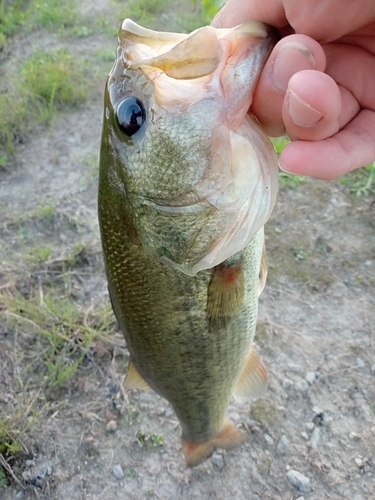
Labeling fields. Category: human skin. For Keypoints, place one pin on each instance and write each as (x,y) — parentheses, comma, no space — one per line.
(318,85)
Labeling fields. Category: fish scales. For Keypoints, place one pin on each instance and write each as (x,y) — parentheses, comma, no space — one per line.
(182,245)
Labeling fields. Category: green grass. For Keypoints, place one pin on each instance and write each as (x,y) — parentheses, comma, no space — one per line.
(12,15)
(361,182)
(48,83)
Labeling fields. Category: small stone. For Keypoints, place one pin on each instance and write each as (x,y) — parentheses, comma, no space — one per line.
(117,471)
(218,460)
(317,411)
(305,435)
(286,384)
(315,437)
(300,498)
(353,436)
(327,420)
(169,413)
(235,417)
(269,440)
(310,377)
(360,363)
(299,481)
(30,463)
(20,494)
(373,430)
(294,368)
(358,461)
(368,263)
(302,386)
(283,445)
(373,368)
(111,426)
(310,426)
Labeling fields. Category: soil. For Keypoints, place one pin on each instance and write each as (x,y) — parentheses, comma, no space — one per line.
(315,333)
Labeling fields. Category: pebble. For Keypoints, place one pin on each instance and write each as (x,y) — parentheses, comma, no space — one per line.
(310,426)
(299,481)
(310,377)
(117,471)
(300,498)
(169,413)
(235,417)
(269,440)
(218,460)
(302,386)
(373,368)
(360,363)
(315,438)
(111,426)
(287,384)
(305,435)
(368,263)
(283,445)
(294,368)
(353,436)
(373,430)
(327,420)
(317,411)
(358,461)
(20,494)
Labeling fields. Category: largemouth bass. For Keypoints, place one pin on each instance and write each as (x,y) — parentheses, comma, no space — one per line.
(187,181)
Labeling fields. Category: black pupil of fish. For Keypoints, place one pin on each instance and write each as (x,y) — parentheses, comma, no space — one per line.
(131,115)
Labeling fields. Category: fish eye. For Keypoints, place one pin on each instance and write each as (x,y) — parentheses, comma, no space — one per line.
(131,115)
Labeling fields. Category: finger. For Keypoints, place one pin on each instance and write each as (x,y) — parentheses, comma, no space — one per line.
(236,12)
(291,55)
(312,106)
(351,148)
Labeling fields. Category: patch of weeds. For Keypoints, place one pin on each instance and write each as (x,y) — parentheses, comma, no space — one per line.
(149,493)
(361,182)
(12,15)
(49,82)
(144,12)
(57,78)
(264,412)
(52,15)
(264,466)
(291,180)
(132,416)
(210,8)
(61,332)
(39,255)
(132,473)
(3,478)
(144,439)
(279,143)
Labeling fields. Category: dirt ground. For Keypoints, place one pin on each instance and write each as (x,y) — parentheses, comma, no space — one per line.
(315,333)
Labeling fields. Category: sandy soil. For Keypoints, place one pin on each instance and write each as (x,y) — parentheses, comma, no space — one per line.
(315,333)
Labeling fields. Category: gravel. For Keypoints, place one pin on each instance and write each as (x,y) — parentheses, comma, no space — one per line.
(299,481)
(117,471)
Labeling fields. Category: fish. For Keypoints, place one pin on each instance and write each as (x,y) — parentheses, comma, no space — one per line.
(187,181)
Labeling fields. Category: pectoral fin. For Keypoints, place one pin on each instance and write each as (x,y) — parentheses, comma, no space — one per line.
(254,379)
(225,291)
(263,271)
(134,380)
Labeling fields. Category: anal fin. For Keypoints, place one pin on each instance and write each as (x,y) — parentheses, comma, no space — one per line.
(196,453)
(262,271)
(134,379)
(253,382)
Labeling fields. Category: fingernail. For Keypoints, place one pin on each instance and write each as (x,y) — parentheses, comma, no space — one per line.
(300,110)
(292,57)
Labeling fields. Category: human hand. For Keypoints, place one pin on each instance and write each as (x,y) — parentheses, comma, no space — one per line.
(318,85)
